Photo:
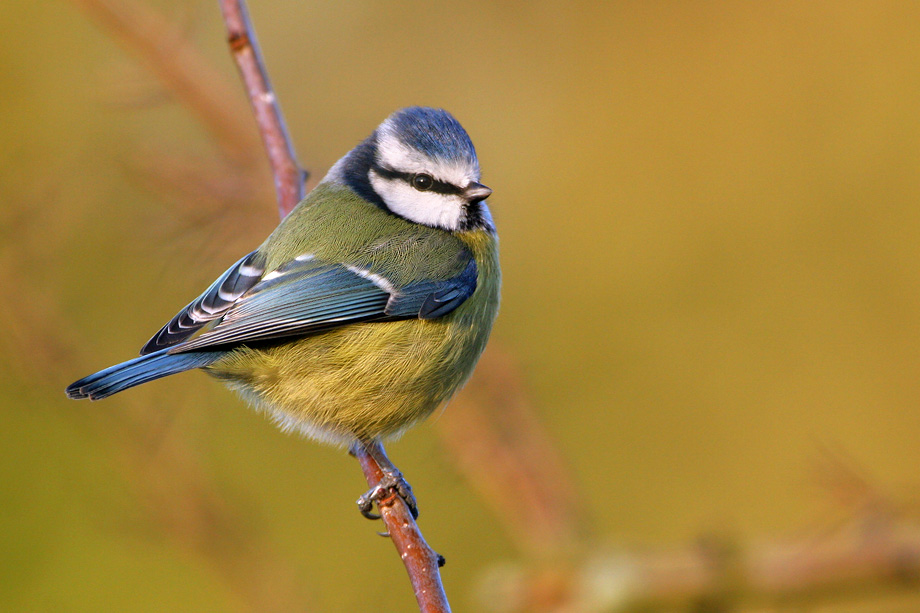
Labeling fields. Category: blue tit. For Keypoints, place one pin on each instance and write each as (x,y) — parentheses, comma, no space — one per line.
(366,308)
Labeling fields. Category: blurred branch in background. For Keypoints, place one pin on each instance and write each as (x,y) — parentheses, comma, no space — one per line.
(178,64)
(506,455)
(30,308)
(183,499)
(215,194)
(872,555)
(873,550)
(179,495)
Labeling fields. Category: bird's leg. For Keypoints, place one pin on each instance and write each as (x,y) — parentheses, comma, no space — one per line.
(392,483)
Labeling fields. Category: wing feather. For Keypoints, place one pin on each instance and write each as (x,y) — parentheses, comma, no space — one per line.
(309,295)
(211,305)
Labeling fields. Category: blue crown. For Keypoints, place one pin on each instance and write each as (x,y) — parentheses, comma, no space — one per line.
(434,132)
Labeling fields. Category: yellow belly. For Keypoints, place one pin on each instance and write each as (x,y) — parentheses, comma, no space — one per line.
(361,381)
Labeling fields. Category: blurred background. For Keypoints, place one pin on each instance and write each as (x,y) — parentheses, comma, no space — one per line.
(702,392)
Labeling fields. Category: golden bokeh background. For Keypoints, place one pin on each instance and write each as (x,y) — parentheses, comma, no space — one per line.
(710,225)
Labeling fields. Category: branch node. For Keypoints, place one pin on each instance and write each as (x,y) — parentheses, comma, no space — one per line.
(238,41)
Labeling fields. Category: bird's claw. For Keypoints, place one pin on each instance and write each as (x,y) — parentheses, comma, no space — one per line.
(391,485)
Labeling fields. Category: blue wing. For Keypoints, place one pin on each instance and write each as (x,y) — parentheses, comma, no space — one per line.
(308,295)
(211,305)
(431,299)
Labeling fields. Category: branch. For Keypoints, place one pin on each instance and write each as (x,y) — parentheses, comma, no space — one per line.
(289,176)
(420,560)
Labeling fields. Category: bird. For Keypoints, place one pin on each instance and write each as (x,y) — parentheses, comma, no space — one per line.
(363,311)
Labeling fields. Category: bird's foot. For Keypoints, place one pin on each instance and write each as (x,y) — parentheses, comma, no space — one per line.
(391,485)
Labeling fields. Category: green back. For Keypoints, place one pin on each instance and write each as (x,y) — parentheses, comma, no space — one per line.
(337,225)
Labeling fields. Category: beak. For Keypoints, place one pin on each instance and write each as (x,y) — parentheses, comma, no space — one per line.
(476,191)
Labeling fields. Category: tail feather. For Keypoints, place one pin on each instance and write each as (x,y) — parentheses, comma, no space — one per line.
(139,370)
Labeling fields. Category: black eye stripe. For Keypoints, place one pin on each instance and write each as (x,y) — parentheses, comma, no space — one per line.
(439,187)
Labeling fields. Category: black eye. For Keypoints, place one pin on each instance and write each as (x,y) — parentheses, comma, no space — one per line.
(422,182)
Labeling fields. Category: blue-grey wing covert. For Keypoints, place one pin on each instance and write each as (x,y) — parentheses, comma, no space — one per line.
(308,295)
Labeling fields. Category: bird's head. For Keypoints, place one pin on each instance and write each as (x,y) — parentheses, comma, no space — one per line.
(420,164)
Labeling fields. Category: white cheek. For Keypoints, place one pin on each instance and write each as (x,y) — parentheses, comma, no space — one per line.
(427,208)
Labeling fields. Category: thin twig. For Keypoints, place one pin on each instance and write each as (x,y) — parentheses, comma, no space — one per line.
(289,176)
(420,560)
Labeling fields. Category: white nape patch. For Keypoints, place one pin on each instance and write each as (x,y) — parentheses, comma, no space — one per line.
(392,153)
(427,208)
(381,282)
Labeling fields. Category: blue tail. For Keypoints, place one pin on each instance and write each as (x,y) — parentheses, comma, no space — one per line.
(139,370)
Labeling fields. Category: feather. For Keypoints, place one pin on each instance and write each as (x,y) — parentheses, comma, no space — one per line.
(310,295)
(139,370)
(211,305)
